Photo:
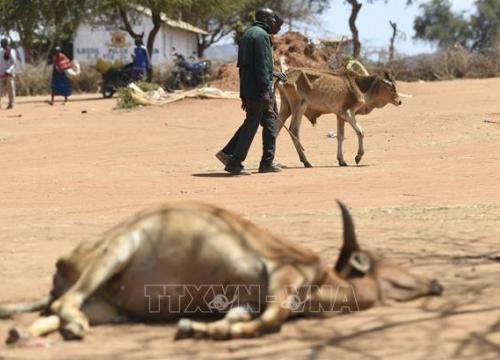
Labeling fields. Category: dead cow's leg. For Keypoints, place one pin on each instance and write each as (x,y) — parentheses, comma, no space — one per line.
(283,283)
(298,111)
(42,326)
(359,132)
(218,330)
(109,260)
(97,311)
(340,140)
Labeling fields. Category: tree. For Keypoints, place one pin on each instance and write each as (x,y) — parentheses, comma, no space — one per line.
(42,23)
(356,6)
(217,17)
(118,10)
(439,24)
(222,17)
(291,10)
(485,25)
(392,50)
(396,34)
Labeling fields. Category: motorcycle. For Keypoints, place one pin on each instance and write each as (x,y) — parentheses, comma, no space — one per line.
(187,74)
(116,78)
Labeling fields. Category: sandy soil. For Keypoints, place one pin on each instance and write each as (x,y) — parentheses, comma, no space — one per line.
(427,195)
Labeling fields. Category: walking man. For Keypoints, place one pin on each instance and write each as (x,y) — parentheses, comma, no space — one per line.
(7,72)
(255,63)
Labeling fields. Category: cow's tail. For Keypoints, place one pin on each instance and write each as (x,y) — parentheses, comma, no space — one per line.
(9,310)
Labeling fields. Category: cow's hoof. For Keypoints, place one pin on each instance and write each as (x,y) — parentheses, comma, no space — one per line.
(358,159)
(307,164)
(342,163)
(184,329)
(15,336)
(19,338)
(73,331)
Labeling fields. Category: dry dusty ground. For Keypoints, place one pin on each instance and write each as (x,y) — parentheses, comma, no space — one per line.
(427,195)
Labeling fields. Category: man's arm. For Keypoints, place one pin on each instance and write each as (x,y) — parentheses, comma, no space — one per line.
(10,70)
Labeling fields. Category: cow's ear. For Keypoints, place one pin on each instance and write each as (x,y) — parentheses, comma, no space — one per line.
(304,82)
(388,75)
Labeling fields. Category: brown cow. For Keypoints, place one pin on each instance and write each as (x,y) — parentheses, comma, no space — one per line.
(313,93)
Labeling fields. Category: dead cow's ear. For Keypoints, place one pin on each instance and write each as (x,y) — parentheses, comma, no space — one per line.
(350,243)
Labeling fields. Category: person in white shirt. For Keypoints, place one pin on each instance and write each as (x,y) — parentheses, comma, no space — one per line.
(7,72)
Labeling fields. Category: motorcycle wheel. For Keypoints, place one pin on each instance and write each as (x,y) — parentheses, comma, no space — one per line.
(172,84)
(108,92)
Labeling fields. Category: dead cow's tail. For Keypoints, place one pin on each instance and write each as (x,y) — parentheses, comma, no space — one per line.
(9,310)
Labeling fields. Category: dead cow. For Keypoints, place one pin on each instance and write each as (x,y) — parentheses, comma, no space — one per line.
(313,93)
(131,271)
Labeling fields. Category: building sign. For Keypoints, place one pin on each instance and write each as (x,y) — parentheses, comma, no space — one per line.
(118,40)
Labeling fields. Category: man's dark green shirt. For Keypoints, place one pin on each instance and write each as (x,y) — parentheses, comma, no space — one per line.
(255,62)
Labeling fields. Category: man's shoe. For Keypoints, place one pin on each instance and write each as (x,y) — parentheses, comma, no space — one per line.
(274,167)
(223,157)
(237,170)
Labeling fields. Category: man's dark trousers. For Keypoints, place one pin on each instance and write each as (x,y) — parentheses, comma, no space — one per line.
(241,141)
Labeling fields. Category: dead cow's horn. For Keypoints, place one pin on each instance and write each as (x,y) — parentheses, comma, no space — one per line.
(350,244)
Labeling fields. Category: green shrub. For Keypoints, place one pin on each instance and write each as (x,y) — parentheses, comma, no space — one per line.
(125,99)
(147,86)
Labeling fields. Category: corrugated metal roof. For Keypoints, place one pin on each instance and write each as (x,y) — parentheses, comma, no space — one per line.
(178,24)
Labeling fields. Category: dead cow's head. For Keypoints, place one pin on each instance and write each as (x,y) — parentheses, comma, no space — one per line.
(366,270)
(386,89)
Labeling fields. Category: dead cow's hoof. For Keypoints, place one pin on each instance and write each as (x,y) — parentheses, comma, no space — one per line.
(19,338)
(184,329)
(15,336)
(73,331)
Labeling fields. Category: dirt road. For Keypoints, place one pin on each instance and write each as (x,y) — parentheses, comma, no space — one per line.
(427,195)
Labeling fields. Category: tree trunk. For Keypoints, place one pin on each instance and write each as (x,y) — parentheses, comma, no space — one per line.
(28,52)
(393,40)
(156,17)
(202,45)
(126,23)
(356,7)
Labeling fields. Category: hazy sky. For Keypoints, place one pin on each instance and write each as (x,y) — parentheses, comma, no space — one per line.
(373,23)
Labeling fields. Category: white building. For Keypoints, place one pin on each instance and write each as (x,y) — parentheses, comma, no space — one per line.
(111,43)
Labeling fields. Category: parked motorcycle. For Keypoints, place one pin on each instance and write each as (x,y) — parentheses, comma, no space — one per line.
(116,78)
(187,74)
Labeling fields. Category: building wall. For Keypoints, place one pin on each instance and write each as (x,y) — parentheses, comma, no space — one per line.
(110,43)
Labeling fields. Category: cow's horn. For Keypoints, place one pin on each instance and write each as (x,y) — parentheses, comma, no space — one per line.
(350,244)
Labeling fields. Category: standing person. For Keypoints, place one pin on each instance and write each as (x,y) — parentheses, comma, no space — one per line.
(255,63)
(8,72)
(60,84)
(141,61)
